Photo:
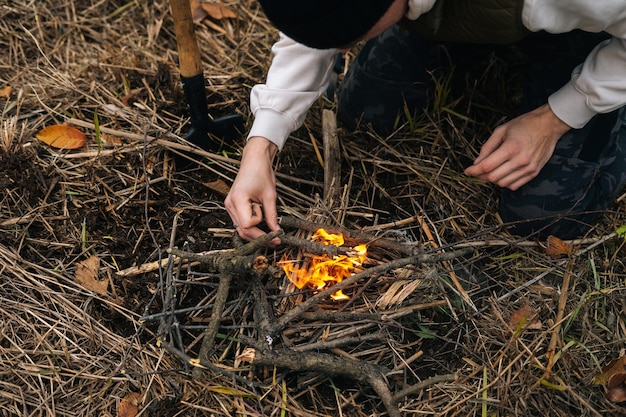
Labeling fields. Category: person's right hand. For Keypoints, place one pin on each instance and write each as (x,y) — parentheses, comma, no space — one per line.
(252,196)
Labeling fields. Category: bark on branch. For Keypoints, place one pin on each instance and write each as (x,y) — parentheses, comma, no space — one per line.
(370,240)
(241,261)
(238,261)
(330,365)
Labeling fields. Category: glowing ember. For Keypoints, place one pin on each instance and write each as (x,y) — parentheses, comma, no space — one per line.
(321,271)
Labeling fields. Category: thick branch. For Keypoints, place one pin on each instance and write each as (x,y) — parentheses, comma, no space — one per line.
(261,305)
(370,240)
(238,261)
(208,341)
(335,343)
(330,365)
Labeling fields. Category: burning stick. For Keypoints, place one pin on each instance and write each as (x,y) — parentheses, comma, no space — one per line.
(319,271)
(295,312)
(369,239)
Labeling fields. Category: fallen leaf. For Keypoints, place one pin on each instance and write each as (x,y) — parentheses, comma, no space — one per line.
(556,247)
(62,137)
(200,10)
(129,406)
(5,92)
(198,14)
(218,11)
(87,275)
(613,377)
(528,316)
(218,186)
(617,393)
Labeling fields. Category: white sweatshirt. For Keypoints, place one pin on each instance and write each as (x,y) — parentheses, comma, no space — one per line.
(299,75)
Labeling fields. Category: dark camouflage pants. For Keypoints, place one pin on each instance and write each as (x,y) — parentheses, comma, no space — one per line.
(393,73)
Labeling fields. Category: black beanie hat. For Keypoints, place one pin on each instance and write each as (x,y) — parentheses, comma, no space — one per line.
(324,24)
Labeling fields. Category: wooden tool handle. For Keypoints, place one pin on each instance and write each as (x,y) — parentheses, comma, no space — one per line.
(189,60)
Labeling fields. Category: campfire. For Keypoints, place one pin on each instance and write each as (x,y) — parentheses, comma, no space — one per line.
(300,334)
(322,271)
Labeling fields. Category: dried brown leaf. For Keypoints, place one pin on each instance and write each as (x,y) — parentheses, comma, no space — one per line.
(218,11)
(219,186)
(528,316)
(62,137)
(5,92)
(131,96)
(200,10)
(198,14)
(613,377)
(617,393)
(129,406)
(87,275)
(556,247)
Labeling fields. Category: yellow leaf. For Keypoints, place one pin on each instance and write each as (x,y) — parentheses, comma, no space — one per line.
(196,362)
(229,391)
(87,276)
(62,137)
(129,406)
(5,92)
(218,186)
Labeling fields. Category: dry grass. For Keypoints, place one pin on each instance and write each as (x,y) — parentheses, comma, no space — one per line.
(67,351)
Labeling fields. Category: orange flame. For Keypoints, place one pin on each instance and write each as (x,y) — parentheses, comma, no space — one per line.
(321,271)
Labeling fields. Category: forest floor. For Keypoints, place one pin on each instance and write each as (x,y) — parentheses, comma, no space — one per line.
(448,315)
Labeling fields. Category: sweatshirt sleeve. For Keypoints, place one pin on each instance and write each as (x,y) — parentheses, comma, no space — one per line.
(597,86)
(297,77)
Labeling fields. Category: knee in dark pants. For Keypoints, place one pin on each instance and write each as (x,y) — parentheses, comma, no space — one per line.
(535,221)
(388,78)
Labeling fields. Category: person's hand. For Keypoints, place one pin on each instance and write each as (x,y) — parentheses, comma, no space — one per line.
(252,197)
(519,149)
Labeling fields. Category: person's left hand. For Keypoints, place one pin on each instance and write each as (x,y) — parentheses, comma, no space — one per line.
(519,149)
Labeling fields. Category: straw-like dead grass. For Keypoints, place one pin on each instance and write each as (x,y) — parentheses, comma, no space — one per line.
(65,350)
